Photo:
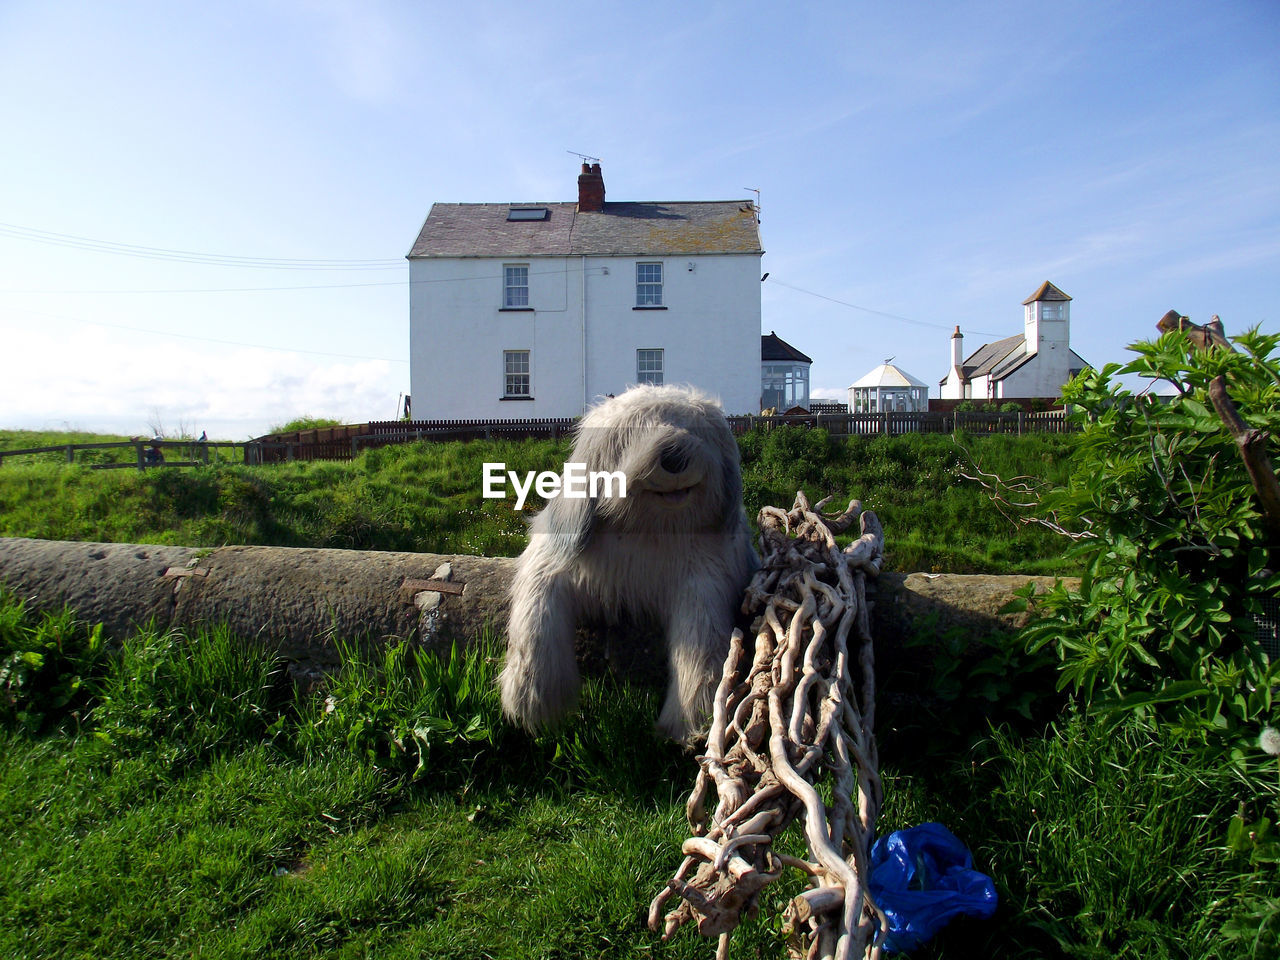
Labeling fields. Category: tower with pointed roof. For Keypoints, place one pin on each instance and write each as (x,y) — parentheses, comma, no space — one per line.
(1046,320)
(1034,365)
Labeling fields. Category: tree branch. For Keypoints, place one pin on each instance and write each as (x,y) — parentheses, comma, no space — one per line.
(1250,441)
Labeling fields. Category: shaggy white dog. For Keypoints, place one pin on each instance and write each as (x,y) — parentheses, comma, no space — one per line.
(677,548)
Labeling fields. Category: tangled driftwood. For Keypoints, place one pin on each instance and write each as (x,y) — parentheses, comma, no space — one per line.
(802,711)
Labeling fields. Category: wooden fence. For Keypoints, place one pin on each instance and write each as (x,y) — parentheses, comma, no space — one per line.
(149,454)
(898,422)
(343,443)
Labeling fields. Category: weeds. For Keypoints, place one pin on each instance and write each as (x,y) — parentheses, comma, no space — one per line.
(45,662)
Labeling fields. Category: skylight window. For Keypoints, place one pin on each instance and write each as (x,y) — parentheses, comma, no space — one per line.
(528,213)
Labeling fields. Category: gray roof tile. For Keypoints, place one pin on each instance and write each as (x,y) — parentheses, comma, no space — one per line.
(992,355)
(621,229)
(1046,291)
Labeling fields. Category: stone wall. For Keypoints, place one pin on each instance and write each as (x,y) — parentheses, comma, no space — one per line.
(296,601)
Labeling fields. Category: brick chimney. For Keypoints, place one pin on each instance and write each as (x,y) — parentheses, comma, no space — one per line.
(590,189)
(957,348)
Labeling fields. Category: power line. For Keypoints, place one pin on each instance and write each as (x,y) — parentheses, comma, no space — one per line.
(230,343)
(187,256)
(878,313)
(309,286)
(18,232)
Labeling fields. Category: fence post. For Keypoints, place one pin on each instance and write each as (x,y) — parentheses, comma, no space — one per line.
(71,454)
(141,463)
(884,422)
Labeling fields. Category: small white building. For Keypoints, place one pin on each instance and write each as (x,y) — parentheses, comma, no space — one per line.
(784,376)
(888,388)
(523,310)
(1032,364)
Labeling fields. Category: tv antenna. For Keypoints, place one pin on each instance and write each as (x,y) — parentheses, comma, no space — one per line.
(583,157)
(757,193)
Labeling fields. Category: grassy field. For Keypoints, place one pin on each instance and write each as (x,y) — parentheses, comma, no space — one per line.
(173,797)
(427,497)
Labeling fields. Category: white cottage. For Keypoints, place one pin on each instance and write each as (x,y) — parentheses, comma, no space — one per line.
(1034,363)
(523,310)
(888,388)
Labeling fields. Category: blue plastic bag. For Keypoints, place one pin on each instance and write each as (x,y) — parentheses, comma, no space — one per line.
(922,878)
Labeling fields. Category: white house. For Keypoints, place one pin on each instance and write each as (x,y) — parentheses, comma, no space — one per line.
(537,309)
(888,388)
(784,375)
(1034,363)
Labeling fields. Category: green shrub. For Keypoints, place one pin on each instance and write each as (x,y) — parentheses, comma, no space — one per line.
(946,688)
(47,662)
(305,423)
(1176,554)
(408,710)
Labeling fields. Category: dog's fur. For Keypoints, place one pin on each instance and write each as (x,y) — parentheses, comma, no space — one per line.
(677,548)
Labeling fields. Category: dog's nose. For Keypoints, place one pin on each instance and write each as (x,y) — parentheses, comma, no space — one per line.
(674,458)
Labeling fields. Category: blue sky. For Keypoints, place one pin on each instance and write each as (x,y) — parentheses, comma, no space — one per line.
(921,165)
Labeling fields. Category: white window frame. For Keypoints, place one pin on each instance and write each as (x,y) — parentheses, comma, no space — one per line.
(517,371)
(515,295)
(648,289)
(651,365)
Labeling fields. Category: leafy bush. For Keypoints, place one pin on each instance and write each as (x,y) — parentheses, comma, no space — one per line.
(46,661)
(306,422)
(407,709)
(1176,553)
(948,687)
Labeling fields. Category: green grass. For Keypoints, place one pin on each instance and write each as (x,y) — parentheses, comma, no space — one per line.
(189,804)
(32,439)
(24,439)
(428,497)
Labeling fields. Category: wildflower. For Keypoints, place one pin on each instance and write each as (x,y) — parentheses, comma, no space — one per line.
(1269,741)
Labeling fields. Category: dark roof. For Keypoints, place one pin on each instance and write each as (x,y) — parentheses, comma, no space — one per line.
(1001,358)
(1046,291)
(483,230)
(621,229)
(991,356)
(773,347)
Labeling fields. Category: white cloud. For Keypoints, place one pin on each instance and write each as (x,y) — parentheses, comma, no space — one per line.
(93,380)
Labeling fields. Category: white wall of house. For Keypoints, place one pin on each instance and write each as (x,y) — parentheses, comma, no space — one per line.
(1047,332)
(709,332)
(953,389)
